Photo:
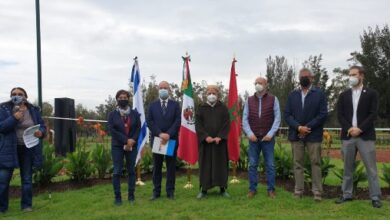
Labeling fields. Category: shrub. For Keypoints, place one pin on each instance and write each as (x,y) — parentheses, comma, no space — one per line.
(359,174)
(51,166)
(147,160)
(102,159)
(283,161)
(386,174)
(79,166)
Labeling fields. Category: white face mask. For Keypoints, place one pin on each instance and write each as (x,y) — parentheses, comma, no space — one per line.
(353,81)
(212,98)
(259,87)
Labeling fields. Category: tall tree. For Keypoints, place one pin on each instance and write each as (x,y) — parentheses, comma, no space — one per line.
(281,79)
(321,76)
(375,58)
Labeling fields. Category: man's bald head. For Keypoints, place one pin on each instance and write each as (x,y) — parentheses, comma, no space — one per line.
(261,80)
(164,85)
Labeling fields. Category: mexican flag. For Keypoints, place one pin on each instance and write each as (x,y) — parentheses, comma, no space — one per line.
(188,141)
(235,120)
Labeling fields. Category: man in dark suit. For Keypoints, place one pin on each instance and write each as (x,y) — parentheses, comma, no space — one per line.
(356,111)
(163,120)
(306,112)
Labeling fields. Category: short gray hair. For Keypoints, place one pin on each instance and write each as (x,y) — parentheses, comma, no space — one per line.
(306,70)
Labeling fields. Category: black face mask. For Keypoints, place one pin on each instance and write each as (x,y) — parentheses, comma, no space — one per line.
(304,81)
(123,103)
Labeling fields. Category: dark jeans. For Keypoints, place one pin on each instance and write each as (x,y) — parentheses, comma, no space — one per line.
(25,157)
(5,178)
(255,148)
(158,160)
(117,157)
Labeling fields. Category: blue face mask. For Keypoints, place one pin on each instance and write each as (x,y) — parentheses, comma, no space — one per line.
(163,93)
(17,99)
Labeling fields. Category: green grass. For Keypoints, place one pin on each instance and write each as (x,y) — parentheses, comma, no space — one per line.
(97,203)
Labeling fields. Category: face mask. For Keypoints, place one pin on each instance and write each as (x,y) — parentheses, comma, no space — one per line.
(123,103)
(17,99)
(259,87)
(212,98)
(304,81)
(163,93)
(353,81)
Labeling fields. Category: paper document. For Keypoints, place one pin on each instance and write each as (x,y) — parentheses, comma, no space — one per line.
(28,136)
(167,149)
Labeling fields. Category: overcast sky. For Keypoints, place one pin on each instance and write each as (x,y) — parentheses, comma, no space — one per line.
(88,45)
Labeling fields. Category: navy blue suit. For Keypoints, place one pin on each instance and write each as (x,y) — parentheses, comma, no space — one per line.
(164,123)
(312,115)
(118,140)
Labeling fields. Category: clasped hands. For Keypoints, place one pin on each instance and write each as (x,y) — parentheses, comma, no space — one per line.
(210,140)
(354,132)
(303,131)
(129,146)
(253,138)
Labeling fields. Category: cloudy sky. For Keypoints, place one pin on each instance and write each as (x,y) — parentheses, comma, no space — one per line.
(88,45)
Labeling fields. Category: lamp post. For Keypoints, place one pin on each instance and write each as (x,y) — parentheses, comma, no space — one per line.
(38,29)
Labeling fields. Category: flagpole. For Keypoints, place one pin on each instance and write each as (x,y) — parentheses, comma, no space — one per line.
(139,181)
(189,173)
(234,180)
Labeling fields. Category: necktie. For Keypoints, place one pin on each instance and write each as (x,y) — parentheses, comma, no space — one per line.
(164,107)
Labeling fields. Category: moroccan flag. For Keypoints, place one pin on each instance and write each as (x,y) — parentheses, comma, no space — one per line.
(188,141)
(235,122)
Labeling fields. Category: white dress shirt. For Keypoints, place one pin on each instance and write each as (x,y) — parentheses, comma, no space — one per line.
(355,101)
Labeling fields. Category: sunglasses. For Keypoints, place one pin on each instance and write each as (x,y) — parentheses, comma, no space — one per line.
(17,94)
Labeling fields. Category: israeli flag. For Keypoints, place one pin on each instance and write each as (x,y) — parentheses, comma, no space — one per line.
(138,104)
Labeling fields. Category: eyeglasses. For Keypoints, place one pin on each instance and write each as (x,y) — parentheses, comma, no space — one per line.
(17,94)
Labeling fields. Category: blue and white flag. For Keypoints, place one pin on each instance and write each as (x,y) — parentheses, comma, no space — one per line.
(138,104)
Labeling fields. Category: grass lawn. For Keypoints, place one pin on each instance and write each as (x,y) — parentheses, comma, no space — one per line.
(97,203)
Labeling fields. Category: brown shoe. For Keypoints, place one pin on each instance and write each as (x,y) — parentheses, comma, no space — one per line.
(317,197)
(298,195)
(251,194)
(272,194)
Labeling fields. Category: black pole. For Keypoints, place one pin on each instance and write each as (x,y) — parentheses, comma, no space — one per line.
(39,53)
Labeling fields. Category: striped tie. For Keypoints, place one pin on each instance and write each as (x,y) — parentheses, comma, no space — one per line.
(164,107)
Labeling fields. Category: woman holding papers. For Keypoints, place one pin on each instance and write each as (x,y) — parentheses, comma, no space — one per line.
(212,128)
(16,116)
(125,125)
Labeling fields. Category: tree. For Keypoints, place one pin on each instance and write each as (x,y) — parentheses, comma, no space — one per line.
(281,80)
(102,110)
(47,109)
(321,76)
(375,59)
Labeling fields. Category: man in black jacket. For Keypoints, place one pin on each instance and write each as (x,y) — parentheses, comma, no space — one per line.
(356,111)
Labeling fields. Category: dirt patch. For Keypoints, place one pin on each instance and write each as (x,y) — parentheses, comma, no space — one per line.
(382,155)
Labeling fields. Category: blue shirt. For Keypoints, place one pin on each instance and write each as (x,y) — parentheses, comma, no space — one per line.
(275,125)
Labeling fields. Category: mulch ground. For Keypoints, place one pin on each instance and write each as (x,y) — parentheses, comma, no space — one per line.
(382,155)
(288,185)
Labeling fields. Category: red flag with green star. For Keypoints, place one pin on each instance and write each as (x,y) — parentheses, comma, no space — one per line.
(235,120)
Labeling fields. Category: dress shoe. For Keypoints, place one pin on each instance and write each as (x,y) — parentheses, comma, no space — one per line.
(343,200)
(376,203)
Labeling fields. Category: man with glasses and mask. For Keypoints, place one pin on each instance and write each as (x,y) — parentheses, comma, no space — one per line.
(306,112)
(357,109)
(261,120)
(163,119)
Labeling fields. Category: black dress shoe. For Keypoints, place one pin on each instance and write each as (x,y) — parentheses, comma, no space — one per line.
(376,203)
(342,200)
(171,196)
(154,197)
